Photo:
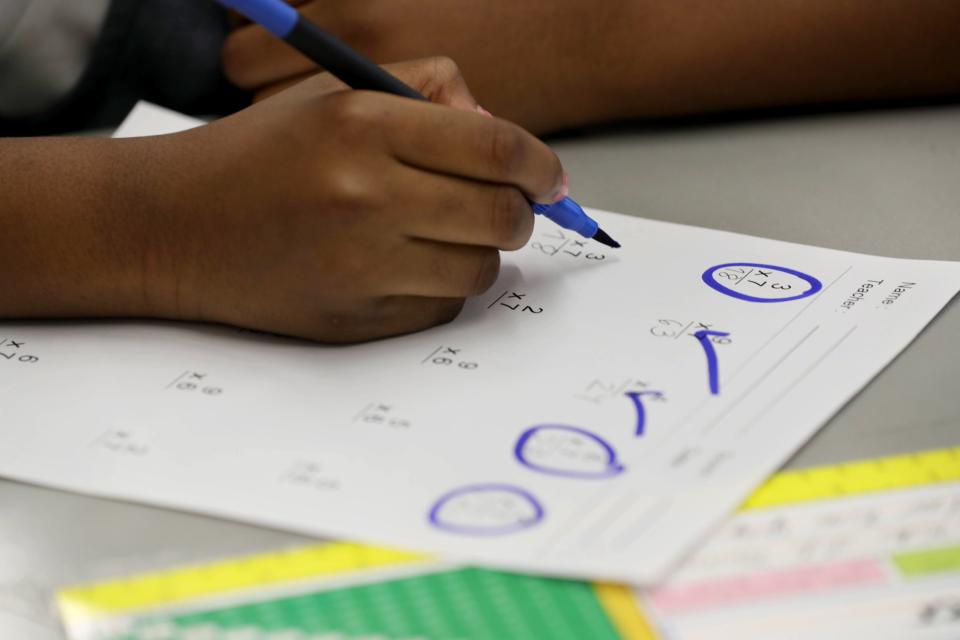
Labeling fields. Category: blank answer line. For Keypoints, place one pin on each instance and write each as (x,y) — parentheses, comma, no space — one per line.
(177,379)
(730,407)
(799,379)
(362,411)
(607,519)
(432,353)
(784,327)
(631,534)
(743,277)
(568,530)
(497,300)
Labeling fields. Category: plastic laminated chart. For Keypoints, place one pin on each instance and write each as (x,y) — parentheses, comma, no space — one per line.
(341,591)
(868,549)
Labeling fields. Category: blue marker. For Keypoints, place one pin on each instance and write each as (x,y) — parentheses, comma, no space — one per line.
(713,369)
(638,405)
(570,215)
(359,72)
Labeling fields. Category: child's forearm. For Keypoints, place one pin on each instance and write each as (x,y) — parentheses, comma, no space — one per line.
(75,230)
(552,64)
(708,55)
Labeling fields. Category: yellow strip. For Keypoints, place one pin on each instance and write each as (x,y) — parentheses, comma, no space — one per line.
(855,478)
(178,585)
(787,487)
(621,607)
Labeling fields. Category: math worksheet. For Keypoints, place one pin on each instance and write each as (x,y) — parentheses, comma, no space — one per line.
(595,414)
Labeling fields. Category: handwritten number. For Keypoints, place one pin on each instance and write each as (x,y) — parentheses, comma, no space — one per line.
(549,249)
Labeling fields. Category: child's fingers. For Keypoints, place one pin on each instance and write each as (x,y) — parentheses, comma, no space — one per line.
(274,89)
(254,58)
(442,270)
(460,211)
(438,79)
(397,315)
(469,145)
(387,316)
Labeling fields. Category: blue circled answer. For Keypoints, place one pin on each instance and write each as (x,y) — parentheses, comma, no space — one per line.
(708,278)
(563,450)
(490,509)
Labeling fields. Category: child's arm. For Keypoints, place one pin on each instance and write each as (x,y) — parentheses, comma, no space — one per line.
(550,64)
(328,214)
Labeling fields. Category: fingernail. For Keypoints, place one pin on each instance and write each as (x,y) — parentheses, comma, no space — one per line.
(483,111)
(564,190)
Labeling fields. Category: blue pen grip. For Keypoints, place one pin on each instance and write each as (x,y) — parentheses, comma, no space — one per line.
(275,16)
(568,215)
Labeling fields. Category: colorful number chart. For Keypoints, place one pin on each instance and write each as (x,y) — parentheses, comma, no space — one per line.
(785,561)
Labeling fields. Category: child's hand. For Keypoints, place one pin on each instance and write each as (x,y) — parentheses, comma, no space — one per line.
(343,215)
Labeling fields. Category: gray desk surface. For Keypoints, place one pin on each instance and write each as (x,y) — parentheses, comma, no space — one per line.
(883,182)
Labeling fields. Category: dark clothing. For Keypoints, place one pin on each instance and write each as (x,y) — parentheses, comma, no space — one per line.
(164,51)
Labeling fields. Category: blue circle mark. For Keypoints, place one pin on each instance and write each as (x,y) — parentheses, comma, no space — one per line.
(519,525)
(815,285)
(611,468)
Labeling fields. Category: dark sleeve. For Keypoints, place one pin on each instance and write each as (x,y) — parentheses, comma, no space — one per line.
(164,51)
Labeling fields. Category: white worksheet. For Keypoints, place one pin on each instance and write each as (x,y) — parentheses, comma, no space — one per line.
(594,414)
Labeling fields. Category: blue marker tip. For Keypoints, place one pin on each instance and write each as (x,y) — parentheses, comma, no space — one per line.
(570,215)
